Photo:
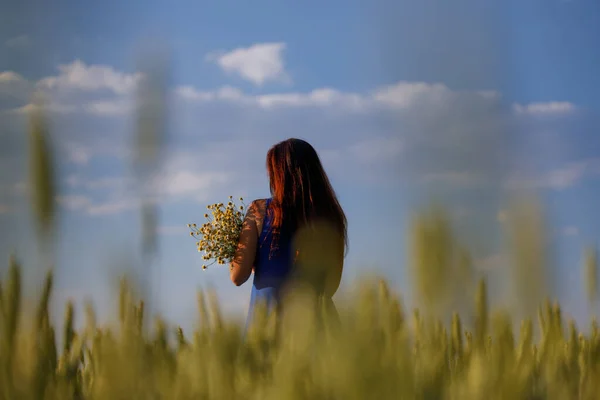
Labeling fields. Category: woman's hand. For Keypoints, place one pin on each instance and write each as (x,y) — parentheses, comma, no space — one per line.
(242,265)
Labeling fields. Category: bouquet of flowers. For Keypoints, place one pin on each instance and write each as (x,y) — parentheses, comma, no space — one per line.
(218,236)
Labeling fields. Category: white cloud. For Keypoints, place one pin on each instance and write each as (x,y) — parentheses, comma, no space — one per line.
(230,93)
(322,97)
(225,93)
(18,41)
(10,76)
(554,107)
(402,95)
(315,98)
(114,107)
(14,87)
(180,183)
(258,63)
(78,75)
(98,90)
(405,94)
(190,93)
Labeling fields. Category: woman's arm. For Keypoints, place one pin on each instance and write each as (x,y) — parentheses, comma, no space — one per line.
(243,262)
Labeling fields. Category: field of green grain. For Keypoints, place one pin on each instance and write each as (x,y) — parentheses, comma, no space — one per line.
(377,351)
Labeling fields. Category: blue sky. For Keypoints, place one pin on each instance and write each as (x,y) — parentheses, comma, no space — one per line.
(402,99)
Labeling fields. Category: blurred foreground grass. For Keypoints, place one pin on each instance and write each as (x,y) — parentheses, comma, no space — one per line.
(377,352)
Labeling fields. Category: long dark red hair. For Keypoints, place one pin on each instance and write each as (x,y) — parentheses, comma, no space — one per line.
(300,189)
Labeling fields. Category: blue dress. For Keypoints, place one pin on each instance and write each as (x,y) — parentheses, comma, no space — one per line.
(273,268)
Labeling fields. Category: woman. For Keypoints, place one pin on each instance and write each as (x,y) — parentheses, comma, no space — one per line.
(299,234)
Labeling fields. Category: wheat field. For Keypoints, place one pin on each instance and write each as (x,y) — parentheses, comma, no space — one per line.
(376,351)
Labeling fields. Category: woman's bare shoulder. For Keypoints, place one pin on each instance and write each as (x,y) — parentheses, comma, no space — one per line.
(258,209)
(260,206)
